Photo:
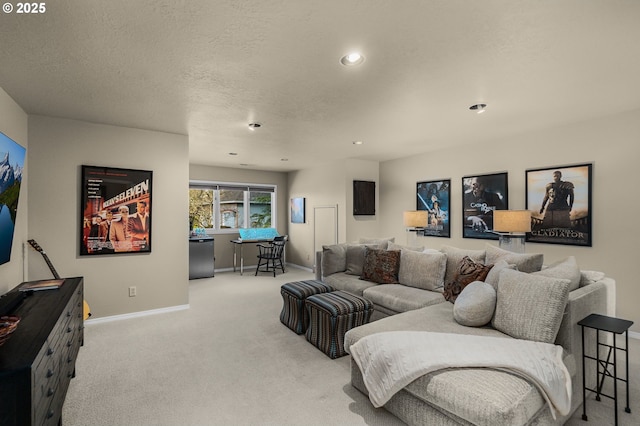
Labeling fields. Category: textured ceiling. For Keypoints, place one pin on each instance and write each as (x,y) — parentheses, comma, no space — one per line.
(206,68)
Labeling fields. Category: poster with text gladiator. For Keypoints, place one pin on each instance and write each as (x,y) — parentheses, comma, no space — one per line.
(116,211)
(559,199)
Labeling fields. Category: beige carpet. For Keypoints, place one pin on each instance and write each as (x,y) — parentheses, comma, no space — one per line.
(229,361)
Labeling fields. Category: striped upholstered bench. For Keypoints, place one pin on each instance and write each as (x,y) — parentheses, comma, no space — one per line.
(331,315)
(293,314)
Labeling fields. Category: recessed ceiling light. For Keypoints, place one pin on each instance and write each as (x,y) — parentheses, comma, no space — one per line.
(357,142)
(233,153)
(284,159)
(254,126)
(352,59)
(479,108)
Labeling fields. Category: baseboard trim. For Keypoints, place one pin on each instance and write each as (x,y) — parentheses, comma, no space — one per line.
(634,335)
(136,314)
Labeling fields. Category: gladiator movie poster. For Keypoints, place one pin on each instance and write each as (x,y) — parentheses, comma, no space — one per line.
(434,197)
(116,211)
(481,196)
(559,199)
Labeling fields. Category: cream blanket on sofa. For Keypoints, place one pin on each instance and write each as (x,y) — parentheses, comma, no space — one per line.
(391,360)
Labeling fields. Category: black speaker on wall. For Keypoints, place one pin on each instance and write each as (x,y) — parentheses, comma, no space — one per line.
(364,198)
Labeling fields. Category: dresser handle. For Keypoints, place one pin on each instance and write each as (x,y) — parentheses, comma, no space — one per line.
(69,343)
(50,351)
(49,392)
(69,329)
(50,414)
(68,313)
(49,373)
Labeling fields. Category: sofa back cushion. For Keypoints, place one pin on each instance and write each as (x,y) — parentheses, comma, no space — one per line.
(530,306)
(381,266)
(422,270)
(455,256)
(334,259)
(525,262)
(355,258)
(382,243)
(567,269)
(394,246)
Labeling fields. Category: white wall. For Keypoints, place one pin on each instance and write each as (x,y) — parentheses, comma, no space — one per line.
(13,123)
(611,143)
(330,185)
(56,152)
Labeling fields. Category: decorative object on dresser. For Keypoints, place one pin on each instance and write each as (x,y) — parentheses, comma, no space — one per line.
(512,226)
(38,362)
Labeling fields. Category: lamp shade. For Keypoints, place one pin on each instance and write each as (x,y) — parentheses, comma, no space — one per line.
(512,220)
(415,218)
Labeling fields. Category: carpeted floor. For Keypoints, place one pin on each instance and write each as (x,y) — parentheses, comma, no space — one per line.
(229,361)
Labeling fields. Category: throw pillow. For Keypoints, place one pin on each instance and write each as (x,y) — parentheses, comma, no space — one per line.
(468,272)
(530,306)
(394,246)
(334,259)
(455,256)
(566,269)
(381,266)
(475,305)
(525,262)
(355,259)
(382,243)
(494,274)
(422,270)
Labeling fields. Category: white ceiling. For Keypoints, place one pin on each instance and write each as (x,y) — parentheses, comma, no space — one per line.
(206,68)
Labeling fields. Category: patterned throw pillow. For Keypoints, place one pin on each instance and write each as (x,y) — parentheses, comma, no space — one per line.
(468,272)
(381,266)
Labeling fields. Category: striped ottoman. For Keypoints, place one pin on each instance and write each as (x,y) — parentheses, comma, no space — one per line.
(293,313)
(331,315)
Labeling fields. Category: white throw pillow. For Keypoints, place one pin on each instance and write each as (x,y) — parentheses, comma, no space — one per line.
(530,306)
(494,274)
(475,305)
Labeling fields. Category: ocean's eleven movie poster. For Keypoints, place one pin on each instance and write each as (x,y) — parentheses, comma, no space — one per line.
(116,211)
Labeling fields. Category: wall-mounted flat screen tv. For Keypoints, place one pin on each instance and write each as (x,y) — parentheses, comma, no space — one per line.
(11,167)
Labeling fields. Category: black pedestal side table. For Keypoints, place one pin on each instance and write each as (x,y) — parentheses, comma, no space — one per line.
(615,326)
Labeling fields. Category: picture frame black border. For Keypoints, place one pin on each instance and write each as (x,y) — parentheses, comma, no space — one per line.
(446,233)
(588,242)
(490,235)
(83,201)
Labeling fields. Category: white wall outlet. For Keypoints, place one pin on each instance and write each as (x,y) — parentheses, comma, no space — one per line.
(132,292)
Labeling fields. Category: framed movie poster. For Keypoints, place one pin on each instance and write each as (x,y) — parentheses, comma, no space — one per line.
(481,195)
(297,210)
(116,211)
(433,196)
(559,199)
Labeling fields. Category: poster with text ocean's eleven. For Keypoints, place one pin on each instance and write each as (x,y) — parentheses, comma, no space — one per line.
(116,211)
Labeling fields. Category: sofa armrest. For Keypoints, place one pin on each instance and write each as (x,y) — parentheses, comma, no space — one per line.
(582,302)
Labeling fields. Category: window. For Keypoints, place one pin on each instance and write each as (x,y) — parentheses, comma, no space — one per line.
(219,206)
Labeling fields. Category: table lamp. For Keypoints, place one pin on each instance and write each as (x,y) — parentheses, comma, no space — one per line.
(414,221)
(512,226)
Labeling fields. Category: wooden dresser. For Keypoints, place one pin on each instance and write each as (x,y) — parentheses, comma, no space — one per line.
(38,361)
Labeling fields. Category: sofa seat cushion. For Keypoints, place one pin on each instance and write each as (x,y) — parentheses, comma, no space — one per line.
(480,396)
(401,298)
(437,318)
(349,283)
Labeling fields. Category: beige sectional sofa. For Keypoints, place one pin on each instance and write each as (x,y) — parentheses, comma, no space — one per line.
(529,302)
